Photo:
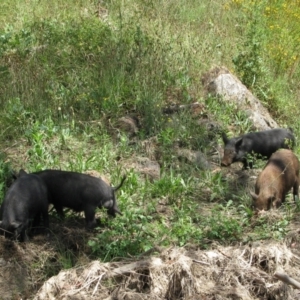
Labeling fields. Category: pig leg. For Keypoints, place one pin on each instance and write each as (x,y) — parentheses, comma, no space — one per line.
(277,203)
(296,190)
(36,223)
(247,164)
(20,231)
(46,220)
(89,213)
(59,210)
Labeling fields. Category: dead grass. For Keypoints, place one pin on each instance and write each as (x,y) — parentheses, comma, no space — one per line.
(241,272)
(25,266)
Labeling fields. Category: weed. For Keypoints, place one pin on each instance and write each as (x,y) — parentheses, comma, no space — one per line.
(6,175)
(173,187)
(216,185)
(222,227)
(15,119)
(184,229)
(275,229)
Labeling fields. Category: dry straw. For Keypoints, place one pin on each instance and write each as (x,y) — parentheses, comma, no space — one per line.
(243,272)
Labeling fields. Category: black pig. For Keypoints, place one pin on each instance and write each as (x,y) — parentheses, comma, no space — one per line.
(25,200)
(264,143)
(80,192)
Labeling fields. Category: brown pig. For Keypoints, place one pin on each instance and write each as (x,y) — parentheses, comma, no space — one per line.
(280,174)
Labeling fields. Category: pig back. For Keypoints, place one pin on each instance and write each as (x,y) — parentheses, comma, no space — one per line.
(268,142)
(281,170)
(75,190)
(27,197)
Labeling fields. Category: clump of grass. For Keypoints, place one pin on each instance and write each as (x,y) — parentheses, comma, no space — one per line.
(6,175)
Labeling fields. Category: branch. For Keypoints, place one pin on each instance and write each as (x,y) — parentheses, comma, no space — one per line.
(288,280)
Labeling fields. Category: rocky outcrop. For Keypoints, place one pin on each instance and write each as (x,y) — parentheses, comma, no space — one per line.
(220,82)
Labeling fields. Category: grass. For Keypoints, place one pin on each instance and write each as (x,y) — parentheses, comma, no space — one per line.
(67,76)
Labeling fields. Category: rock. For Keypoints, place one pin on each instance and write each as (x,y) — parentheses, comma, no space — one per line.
(3,262)
(143,165)
(220,82)
(129,125)
(196,158)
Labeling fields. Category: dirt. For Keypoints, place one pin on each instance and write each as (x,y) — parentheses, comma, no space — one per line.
(25,266)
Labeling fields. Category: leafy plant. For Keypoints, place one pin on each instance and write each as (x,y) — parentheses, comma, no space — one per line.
(6,175)
(223,227)
(118,242)
(15,119)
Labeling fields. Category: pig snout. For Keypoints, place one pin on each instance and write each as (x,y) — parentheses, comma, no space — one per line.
(226,161)
(228,158)
(112,208)
(113,211)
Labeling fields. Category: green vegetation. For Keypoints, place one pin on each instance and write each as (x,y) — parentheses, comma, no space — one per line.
(69,70)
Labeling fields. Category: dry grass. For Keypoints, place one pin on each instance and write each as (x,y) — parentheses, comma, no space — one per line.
(243,272)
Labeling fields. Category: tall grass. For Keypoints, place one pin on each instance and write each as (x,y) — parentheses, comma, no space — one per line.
(268,59)
(66,62)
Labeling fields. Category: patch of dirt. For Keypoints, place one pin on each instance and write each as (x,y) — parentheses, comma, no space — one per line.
(23,266)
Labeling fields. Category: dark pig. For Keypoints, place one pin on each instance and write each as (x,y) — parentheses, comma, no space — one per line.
(280,174)
(25,200)
(80,192)
(264,143)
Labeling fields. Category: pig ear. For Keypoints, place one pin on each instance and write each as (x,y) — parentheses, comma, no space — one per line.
(22,172)
(238,143)
(253,195)
(14,175)
(225,138)
(108,204)
(117,210)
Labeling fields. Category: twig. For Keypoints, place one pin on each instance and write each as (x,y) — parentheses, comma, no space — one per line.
(130,267)
(96,287)
(87,284)
(201,262)
(288,280)
(251,257)
(224,254)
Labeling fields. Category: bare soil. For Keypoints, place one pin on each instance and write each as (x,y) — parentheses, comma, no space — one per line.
(25,266)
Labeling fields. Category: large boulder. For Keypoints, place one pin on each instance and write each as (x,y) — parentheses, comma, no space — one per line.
(220,82)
